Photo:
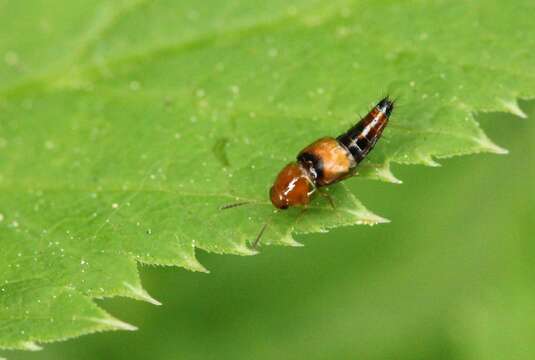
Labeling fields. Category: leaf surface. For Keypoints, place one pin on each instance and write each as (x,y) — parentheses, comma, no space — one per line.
(126,125)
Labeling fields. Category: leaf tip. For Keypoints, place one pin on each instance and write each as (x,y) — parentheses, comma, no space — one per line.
(491,147)
(501,151)
(428,160)
(31,346)
(511,106)
(366,217)
(384,173)
(244,250)
(141,294)
(113,323)
(289,240)
(191,263)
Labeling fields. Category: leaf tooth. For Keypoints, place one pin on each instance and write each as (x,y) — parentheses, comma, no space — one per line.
(114,323)
(191,263)
(30,346)
(141,294)
(384,173)
(511,106)
(488,145)
(427,160)
(289,240)
(366,217)
(243,249)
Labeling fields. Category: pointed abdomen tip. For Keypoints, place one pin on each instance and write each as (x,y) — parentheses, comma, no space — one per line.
(386,106)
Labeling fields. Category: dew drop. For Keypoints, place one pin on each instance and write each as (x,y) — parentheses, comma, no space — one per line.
(192,15)
(292,11)
(11,58)
(342,31)
(135,85)
(49,145)
(27,104)
(235,89)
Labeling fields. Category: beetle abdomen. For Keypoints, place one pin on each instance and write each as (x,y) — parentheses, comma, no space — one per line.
(361,138)
(329,160)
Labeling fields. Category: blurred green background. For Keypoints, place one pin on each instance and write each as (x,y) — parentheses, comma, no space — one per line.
(450,278)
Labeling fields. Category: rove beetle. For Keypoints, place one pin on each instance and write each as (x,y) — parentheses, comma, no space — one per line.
(329,160)
(326,161)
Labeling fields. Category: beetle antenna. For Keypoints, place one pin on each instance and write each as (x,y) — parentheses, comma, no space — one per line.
(259,236)
(262,230)
(233,205)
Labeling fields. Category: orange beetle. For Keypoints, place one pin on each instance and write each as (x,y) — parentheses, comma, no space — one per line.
(329,160)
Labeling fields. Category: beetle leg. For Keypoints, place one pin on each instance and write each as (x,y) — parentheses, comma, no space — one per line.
(328,197)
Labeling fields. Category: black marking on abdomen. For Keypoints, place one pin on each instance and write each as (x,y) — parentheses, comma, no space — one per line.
(312,163)
(356,148)
(362,137)
(386,106)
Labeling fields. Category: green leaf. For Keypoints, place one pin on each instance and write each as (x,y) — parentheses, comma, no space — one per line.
(126,125)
